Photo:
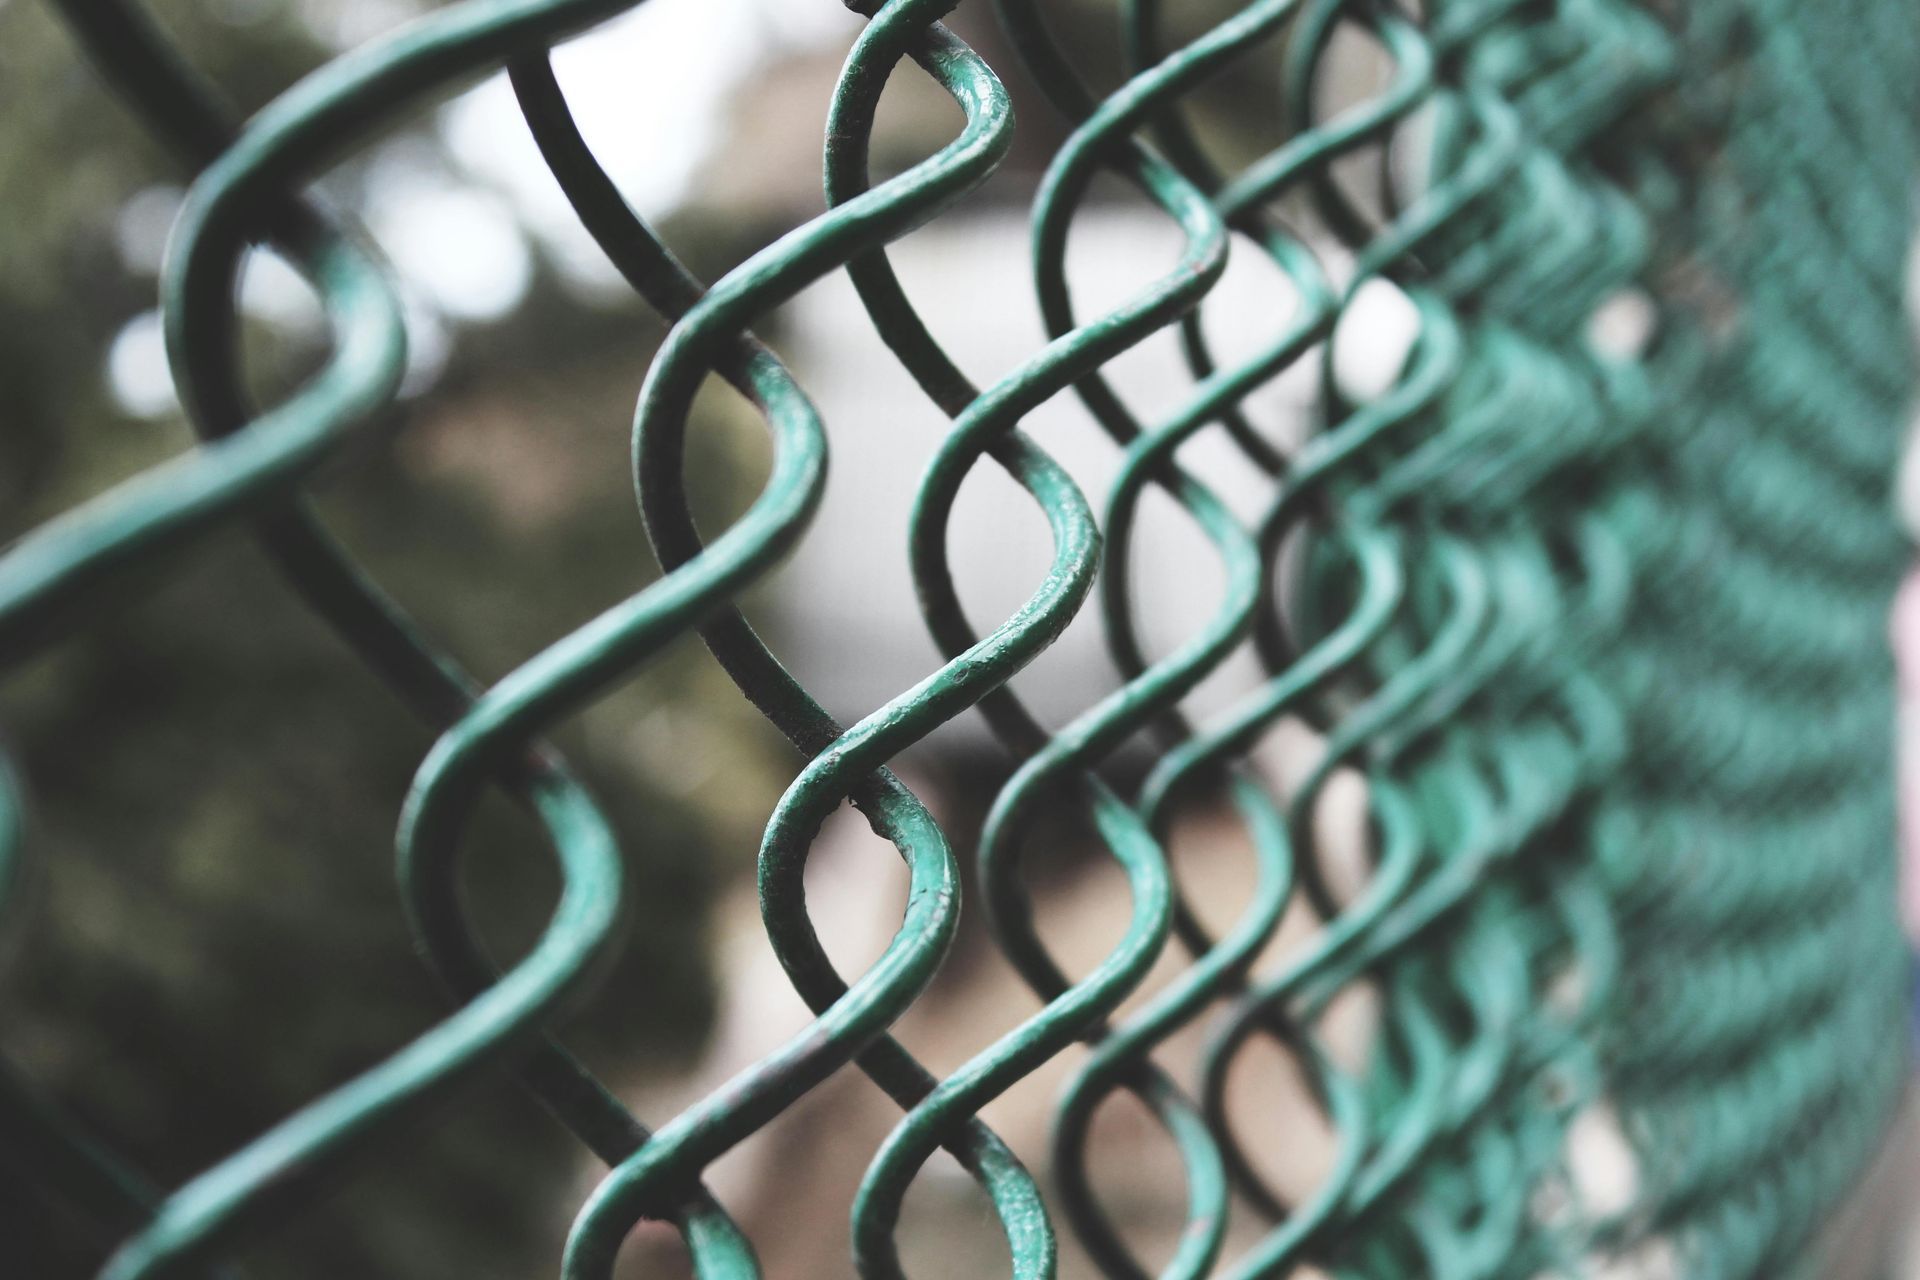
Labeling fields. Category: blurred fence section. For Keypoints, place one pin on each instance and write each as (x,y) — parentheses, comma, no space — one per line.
(1492,402)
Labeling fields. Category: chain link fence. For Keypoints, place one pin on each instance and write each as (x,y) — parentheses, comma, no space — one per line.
(1586,595)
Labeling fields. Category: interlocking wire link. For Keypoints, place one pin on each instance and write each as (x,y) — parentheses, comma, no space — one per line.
(1594,626)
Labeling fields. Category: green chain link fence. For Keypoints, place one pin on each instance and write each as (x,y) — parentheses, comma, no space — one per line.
(1600,629)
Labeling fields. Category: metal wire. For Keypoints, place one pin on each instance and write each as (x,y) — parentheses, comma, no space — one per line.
(1597,629)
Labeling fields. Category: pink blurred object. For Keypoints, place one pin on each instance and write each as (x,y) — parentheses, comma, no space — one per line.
(1905,635)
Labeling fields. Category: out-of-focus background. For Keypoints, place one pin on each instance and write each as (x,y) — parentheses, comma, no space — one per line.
(212,935)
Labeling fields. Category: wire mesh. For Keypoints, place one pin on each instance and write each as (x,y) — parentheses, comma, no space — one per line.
(1597,624)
